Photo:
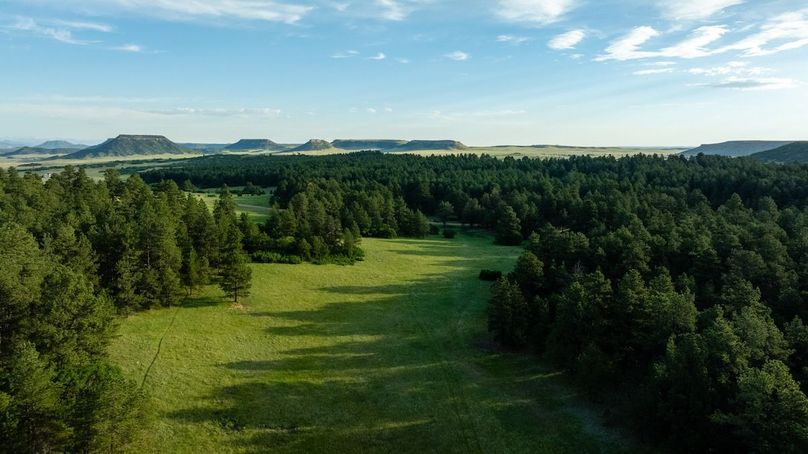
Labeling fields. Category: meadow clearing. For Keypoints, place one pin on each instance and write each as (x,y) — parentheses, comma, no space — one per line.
(389,355)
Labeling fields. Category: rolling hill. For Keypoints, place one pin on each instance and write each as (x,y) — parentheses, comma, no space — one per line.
(130,145)
(60,145)
(313,145)
(414,145)
(255,145)
(355,145)
(38,150)
(736,148)
(796,152)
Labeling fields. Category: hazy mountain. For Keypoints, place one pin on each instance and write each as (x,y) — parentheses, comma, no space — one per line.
(383,144)
(796,152)
(736,148)
(38,150)
(430,145)
(60,145)
(8,144)
(255,145)
(313,145)
(130,145)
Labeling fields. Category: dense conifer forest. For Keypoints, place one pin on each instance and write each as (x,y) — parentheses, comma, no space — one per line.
(73,254)
(673,290)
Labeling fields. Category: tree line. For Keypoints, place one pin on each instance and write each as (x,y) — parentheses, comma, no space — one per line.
(74,253)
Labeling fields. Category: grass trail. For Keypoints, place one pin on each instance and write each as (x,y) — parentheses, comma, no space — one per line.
(390,355)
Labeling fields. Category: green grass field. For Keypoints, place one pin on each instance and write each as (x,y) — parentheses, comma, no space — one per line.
(389,355)
(256,206)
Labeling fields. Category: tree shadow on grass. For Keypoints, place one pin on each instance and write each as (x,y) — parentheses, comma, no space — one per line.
(396,371)
(198,302)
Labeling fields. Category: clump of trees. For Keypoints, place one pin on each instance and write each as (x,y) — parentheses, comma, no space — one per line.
(73,254)
(691,314)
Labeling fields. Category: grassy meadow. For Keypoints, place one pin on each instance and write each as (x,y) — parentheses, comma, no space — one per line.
(389,355)
(256,206)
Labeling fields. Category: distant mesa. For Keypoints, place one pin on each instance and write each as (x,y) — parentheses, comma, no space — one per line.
(208,148)
(130,145)
(736,148)
(414,145)
(38,150)
(357,145)
(254,145)
(60,145)
(313,145)
(795,152)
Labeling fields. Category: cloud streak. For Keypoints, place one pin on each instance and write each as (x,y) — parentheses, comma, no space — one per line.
(537,12)
(180,10)
(694,9)
(458,55)
(752,84)
(62,34)
(628,47)
(567,40)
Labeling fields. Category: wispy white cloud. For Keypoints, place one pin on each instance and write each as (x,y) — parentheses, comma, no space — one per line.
(567,40)
(134,48)
(515,40)
(752,83)
(538,12)
(403,61)
(736,68)
(62,34)
(741,75)
(220,112)
(392,10)
(628,47)
(458,55)
(181,10)
(106,111)
(98,27)
(475,115)
(346,54)
(379,56)
(694,45)
(784,32)
(694,9)
(341,7)
(651,72)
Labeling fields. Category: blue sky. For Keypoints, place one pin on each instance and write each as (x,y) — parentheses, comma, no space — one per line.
(577,72)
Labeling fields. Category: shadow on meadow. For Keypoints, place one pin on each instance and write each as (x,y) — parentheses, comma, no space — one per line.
(400,373)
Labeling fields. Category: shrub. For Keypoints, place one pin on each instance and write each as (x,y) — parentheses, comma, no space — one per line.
(275,257)
(449,234)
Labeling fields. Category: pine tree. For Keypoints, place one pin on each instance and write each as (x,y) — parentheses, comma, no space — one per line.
(445,212)
(234,271)
(508,227)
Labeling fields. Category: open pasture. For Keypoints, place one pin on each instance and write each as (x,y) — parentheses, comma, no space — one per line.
(389,355)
